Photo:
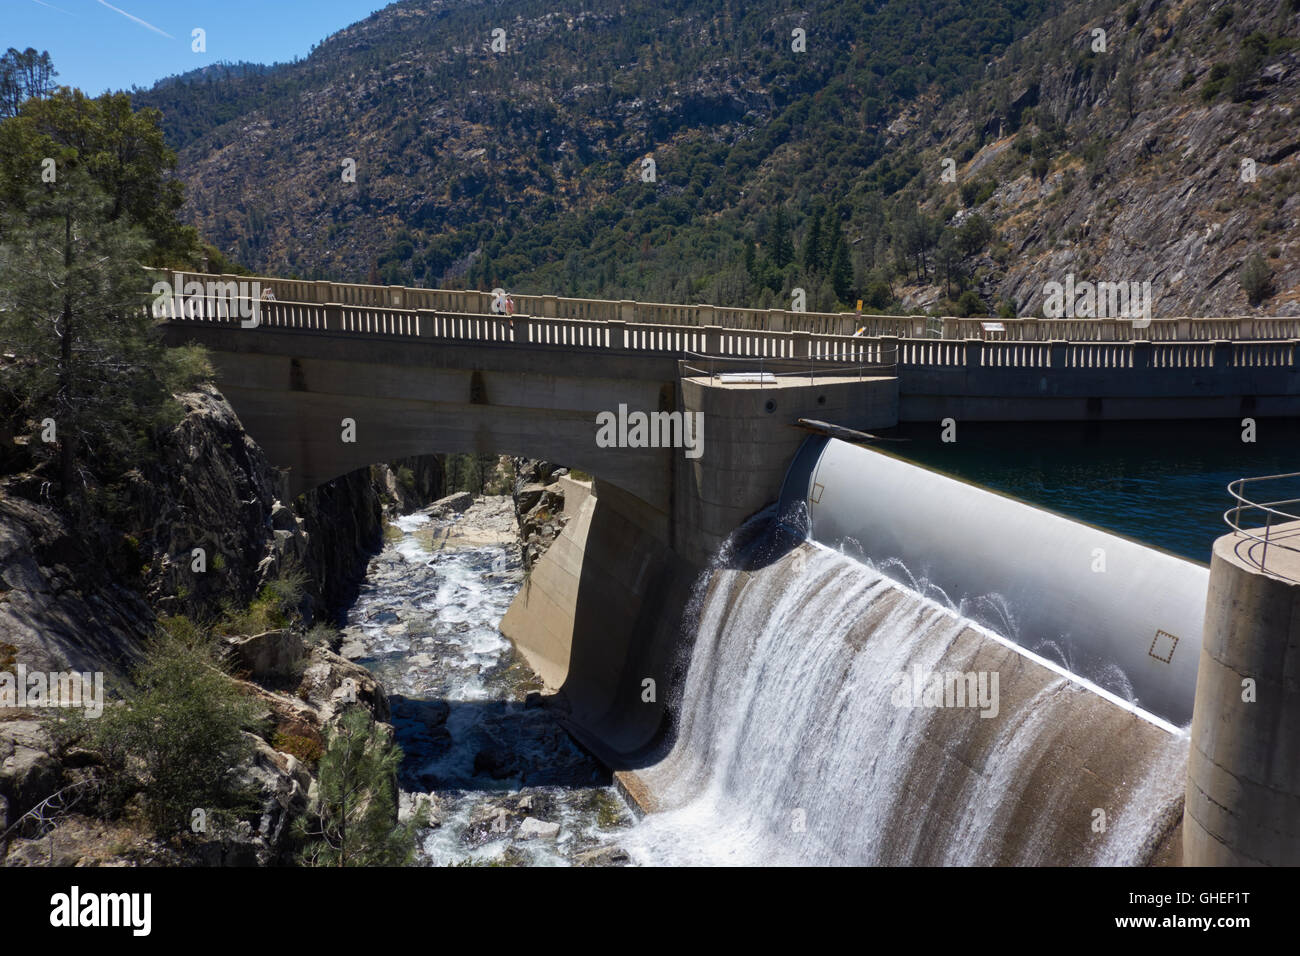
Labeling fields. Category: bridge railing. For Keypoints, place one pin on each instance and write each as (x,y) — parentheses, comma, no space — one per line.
(467,302)
(672,339)
(1279,511)
(873,359)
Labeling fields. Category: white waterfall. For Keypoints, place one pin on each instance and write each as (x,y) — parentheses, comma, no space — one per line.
(792,745)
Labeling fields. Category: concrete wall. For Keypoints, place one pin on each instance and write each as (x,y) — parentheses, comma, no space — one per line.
(601,610)
(1029,329)
(598,616)
(975,381)
(1243,774)
(292,390)
(751,440)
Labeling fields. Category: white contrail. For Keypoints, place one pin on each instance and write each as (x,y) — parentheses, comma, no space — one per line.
(142,23)
(51,6)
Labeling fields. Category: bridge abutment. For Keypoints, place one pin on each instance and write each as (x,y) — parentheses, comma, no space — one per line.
(601,616)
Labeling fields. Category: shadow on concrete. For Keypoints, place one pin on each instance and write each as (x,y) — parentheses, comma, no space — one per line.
(635,625)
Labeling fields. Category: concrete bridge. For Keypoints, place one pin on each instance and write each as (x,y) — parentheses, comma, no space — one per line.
(1020,370)
(417,371)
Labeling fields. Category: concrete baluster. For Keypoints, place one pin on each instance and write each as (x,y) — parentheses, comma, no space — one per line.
(427,322)
(618,334)
(713,340)
(802,344)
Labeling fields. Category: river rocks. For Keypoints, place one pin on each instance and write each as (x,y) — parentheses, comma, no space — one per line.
(540,512)
(211,527)
(331,682)
(408,484)
(603,856)
(353,649)
(533,829)
(283,785)
(410,804)
(539,507)
(529,497)
(458,503)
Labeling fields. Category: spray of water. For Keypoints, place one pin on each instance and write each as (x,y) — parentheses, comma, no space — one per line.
(791,745)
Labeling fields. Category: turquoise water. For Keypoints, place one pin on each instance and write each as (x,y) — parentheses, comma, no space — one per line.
(1163,483)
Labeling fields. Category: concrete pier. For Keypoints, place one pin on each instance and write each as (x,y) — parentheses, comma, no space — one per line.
(1243,773)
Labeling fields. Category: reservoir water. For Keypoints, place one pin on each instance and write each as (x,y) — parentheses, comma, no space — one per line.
(1162,483)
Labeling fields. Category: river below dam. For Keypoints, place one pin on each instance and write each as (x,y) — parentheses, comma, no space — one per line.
(508,786)
(790,744)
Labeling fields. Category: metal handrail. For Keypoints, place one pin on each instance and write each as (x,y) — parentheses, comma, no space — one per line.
(809,366)
(1232,517)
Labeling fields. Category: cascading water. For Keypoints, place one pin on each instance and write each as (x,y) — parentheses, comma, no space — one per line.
(798,742)
(426,623)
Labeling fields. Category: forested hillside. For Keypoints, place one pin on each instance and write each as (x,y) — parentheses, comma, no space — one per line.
(773,166)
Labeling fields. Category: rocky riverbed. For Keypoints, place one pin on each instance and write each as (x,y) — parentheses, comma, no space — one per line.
(506,783)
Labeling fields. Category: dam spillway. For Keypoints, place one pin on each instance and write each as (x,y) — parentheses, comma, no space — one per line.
(1122,615)
(804,733)
(794,745)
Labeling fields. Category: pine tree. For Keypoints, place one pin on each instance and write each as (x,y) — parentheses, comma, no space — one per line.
(814,258)
(24,75)
(780,244)
(88,356)
(355,821)
(841,264)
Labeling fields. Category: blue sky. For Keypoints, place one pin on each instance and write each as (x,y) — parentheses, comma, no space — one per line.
(116,44)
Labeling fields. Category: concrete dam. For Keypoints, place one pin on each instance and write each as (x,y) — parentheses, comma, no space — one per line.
(812,651)
(862,700)
(933,674)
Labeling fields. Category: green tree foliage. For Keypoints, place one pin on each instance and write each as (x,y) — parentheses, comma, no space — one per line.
(974,235)
(24,75)
(969,303)
(120,149)
(1256,278)
(841,264)
(84,204)
(178,736)
(780,245)
(87,354)
(551,207)
(355,822)
(814,250)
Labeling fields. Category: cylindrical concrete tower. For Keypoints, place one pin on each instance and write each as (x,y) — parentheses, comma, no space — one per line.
(1243,774)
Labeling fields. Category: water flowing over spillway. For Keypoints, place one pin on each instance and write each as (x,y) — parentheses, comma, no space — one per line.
(798,742)
(803,732)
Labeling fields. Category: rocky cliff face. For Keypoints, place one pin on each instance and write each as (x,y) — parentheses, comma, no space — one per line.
(1149,142)
(89,598)
(539,506)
